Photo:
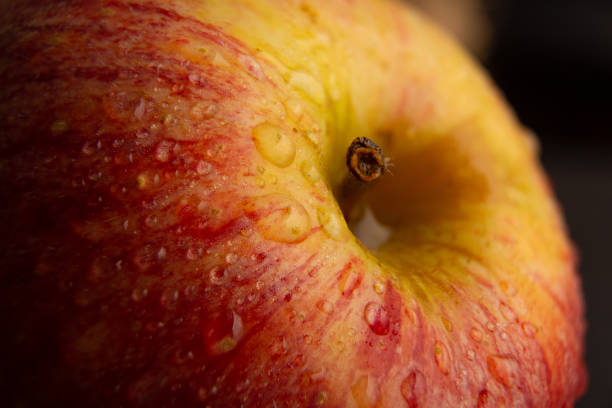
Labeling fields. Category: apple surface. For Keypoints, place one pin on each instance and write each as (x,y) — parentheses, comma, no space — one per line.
(175,202)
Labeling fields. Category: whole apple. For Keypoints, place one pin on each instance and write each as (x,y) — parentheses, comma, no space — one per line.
(174,175)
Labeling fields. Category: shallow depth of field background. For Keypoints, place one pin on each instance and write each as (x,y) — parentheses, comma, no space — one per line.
(553,61)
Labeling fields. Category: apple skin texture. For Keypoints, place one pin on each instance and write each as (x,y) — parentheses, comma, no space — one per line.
(171,236)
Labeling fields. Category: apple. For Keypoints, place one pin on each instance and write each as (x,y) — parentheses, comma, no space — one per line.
(174,176)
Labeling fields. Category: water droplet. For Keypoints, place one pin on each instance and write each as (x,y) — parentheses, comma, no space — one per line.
(413,389)
(225,345)
(151,220)
(321,398)
(491,326)
(140,109)
(231,258)
(161,254)
(88,149)
(442,357)
(414,317)
(274,144)
(325,306)
(170,119)
(314,137)
(143,181)
(309,171)
(216,275)
(271,178)
(348,281)
(223,333)
(318,375)
(192,254)
(476,335)
(507,288)
(202,393)
(483,398)
(332,224)
(59,126)
(507,312)
(203,168)
(95,175)
(470,354)
(447,324)
(219,60)
(252,66)
(294,109)
(379,287)
(139,293)
(196,80)
(162,152)
(169,298)
(283,219)
(190,292)
(237,326)
(202,111)
(528,328)
(284,345)
(251,297)
(503,369)
(259,285)
(366,392)
(377,318)
(144,257)
(298,361)
(260,182)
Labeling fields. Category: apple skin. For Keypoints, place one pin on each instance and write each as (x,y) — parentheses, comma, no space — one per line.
(171,235)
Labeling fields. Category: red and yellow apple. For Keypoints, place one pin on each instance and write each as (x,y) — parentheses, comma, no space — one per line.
(173,174)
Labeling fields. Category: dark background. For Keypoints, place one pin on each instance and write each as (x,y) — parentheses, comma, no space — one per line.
(553,60)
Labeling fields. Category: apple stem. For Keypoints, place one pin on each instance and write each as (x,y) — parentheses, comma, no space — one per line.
(366,163)
(366,160)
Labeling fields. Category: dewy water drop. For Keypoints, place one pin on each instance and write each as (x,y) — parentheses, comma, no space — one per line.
(274,144)
(377,318)
(284,220)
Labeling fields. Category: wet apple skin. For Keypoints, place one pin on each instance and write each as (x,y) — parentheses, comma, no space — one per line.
(143,262)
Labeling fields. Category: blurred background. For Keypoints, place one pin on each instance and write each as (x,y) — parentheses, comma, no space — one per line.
(553,61)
